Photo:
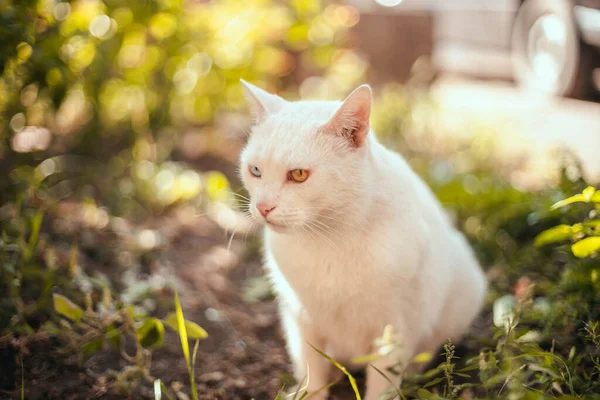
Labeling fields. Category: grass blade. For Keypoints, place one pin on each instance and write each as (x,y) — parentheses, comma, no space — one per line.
(182,331)
(185,345)
(344,370)
(159,389)
(22,381)
(35,233)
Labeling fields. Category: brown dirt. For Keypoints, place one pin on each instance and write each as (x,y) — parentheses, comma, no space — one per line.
(243,357)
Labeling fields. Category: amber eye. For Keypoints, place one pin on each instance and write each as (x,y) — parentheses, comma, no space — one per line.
(298,175)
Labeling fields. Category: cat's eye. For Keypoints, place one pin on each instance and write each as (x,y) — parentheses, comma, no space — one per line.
(254,171)
(298,175)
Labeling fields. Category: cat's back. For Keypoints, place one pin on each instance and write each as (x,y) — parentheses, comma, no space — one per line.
(401,194)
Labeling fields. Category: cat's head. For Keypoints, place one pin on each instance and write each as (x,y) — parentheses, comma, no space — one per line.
(304,164)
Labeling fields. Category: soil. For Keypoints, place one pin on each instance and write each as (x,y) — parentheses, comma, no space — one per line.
(244,356)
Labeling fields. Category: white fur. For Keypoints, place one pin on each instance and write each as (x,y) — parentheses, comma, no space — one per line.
(361,244)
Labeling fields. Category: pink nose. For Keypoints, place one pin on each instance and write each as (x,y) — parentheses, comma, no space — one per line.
(264,209)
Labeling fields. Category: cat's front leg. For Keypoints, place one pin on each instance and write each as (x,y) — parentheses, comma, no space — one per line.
(378,386)
(311,370)
(392,366)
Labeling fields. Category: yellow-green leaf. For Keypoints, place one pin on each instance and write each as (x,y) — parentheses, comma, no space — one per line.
(586,247)
(553,235)
(422,357)
(24,51)
(182,331)
(151,333)
(588,192)
(194,331)
(434,382)
(90,348)
(66,307)
(366,358)
(181,328)
(425,394)
(114,337)
(578,198)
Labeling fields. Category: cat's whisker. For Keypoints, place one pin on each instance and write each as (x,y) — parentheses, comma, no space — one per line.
(329,229)
(250,229)
(307,233)
(241,196)
(315,229)
(230,241)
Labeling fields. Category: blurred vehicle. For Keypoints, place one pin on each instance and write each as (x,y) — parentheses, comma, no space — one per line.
(551,46)
(555,45)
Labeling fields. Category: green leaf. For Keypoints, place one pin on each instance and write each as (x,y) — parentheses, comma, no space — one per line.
(588,195)
(35,233)
(588,192)
(434,382)
(425,394)
(422,358)
(90,348)
(553,235)
(51,328)
(469,368)
(151,333)
(22,381)
(181,328)
(66,307)
(366,358)
(586,247)
(461,374)
(114,337)
(578,198)
(194,331)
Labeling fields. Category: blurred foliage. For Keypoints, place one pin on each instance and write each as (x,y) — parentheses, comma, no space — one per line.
(123,80)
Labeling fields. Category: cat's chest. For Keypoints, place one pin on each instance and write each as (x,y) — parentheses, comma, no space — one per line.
(327,276)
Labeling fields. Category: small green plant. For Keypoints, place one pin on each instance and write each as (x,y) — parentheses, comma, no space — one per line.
(585,235)
(187,330)
(88,330)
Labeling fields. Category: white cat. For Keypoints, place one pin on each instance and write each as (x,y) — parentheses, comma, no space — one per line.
(354,239)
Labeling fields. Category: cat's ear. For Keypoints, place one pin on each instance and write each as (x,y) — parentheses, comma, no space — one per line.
(351,120)
(261,102)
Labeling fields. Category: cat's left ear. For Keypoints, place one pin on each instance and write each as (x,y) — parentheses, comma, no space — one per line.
(261,102)
(351,120)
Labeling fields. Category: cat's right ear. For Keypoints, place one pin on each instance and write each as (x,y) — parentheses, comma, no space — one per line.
(351,120)
(261,102)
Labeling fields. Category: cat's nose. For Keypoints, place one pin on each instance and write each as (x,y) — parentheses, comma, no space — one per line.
(264,208)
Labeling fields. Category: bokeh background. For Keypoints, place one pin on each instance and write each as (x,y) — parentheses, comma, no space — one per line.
(120,127)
